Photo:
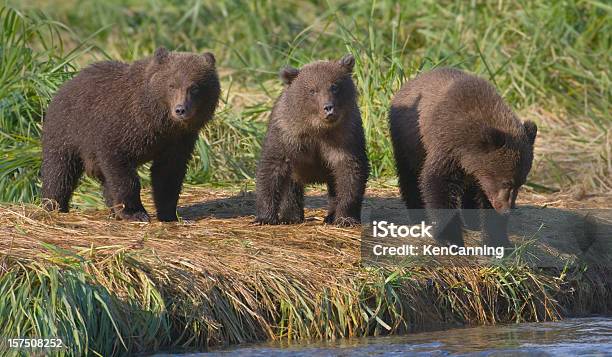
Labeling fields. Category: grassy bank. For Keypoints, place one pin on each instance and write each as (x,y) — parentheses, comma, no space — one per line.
(110,288)
(550,61)
(114,288)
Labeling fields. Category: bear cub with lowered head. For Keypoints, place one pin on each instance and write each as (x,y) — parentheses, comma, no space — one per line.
(315,135)
(457,144)
(113,117)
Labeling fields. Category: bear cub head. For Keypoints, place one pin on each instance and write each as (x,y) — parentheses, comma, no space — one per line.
(320,94)
(186,84)
(502,162)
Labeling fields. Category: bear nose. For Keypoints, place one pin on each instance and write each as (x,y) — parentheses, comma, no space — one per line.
(179,110)
(501,208)
(328,109)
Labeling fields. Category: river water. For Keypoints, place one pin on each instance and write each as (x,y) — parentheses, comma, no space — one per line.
(570,337)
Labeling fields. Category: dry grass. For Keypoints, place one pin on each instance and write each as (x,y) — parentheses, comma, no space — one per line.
(215,279)
(222,220)
(571,154)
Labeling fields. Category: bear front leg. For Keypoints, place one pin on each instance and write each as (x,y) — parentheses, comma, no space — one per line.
(167,175)
(292,203)
(350,176)
(272,178)
(332,201)
(494,225)
(470,206)
(438,192)
(123,184)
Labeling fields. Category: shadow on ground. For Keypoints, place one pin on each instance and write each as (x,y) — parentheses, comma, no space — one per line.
(550,235)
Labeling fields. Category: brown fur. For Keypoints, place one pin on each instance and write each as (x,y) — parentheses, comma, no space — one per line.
(457,143)
(314,136)
(113,117)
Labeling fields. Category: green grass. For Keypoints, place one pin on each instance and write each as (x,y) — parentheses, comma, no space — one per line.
(28,78)
(549,60)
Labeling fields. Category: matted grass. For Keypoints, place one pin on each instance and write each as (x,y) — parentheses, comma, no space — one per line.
(116,288)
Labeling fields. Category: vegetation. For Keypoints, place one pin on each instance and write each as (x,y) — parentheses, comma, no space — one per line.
(110,288)
(119,305)
(550,61)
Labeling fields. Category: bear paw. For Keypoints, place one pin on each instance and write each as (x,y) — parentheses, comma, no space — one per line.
(167,217)
(471,219)
(140,216)
(346,222)
(50,204)
(292,220)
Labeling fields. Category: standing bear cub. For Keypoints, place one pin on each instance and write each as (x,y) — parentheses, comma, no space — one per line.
(457,144)
(113,117)
(315,135)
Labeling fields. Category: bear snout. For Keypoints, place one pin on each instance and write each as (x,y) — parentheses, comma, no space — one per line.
(181,112)
(328,110)
(502,207)
(503,200)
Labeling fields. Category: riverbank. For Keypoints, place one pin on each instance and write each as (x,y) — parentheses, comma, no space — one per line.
(115,288)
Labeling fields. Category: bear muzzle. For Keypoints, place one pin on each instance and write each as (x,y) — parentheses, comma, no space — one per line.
(181,112)
(330,114)
(502,208)
(503,202)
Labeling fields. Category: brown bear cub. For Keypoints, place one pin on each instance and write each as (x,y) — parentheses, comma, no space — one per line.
(315,135)
(113,117)
(457,144)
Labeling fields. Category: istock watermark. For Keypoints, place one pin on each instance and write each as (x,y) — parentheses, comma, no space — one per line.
(383,229)
(532,235)
(434,250)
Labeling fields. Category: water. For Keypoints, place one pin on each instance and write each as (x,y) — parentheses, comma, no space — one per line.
(571,337)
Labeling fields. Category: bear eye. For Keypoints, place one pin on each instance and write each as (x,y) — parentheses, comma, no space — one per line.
(194,90)
(334,88)
(507,184)
(312,92)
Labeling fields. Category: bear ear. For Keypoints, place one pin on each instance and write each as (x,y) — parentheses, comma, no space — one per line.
(161,55)
(531,129)
(493,139)
(288,74)
(210,58)
(348,62)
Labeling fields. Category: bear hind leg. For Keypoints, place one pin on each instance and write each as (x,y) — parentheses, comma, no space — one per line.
(95,171)
(439,189)
(61,172)
(121,182)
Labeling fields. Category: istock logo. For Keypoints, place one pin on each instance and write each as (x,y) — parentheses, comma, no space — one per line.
(384,229)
